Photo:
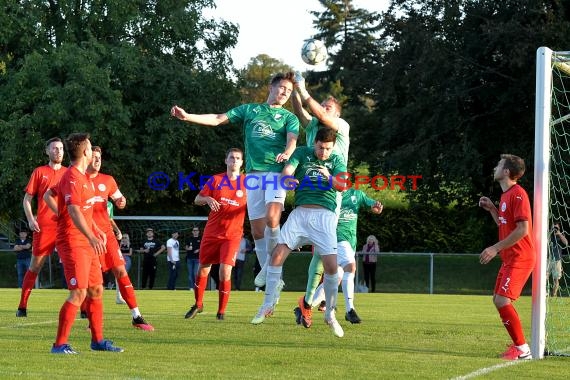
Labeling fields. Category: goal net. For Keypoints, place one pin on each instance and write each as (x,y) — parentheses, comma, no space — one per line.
(551,279)
(163,227)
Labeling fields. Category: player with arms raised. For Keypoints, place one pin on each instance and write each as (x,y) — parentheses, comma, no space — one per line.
(271,134)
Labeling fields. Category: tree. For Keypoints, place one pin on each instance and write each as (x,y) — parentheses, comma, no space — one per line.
(114,68)
(254,78)
(457,83)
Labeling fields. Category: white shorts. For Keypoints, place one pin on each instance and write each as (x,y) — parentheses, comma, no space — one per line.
(345,254)
(316,226)
(263,188)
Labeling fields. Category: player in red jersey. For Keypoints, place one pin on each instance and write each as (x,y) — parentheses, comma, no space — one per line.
(225,194)
(44,226)
(105,188)
(79,243)
(516,247)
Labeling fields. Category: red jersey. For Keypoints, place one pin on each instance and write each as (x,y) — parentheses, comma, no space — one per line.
(105,188)
(42,179)
(75,189)
(226,223)
(515,207)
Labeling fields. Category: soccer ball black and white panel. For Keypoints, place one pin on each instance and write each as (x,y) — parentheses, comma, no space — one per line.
(313,51)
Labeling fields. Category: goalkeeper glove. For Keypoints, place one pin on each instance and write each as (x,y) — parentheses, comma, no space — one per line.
(300,86)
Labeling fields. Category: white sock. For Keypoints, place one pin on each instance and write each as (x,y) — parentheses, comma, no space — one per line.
(524,347)
(273,277)
(348,290)
(260,251)
(330,285)
(135,312)
(271,236)
(319,296)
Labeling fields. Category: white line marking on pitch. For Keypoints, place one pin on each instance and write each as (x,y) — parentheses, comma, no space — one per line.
(484,371)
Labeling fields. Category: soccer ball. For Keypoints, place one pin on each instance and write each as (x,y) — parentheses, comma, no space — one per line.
(313,51)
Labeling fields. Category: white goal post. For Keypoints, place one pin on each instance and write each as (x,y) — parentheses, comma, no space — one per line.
(551,286)
(541,185)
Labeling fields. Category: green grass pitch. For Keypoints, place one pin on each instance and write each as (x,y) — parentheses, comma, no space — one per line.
(403,336)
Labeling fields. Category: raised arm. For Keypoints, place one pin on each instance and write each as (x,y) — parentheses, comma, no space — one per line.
(300,112)
(210,119)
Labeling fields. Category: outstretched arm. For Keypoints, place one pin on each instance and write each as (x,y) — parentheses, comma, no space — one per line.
(210,119)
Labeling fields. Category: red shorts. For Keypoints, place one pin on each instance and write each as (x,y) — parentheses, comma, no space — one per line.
(219,251)
(43,242)
(81,267)
(510,281)
(113,257)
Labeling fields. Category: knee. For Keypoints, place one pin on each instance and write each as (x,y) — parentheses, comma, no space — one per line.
(95,291)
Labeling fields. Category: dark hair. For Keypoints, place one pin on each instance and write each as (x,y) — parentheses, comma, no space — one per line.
(290,76)
(515,165)
(75,143)
(53,139)
(97,148)
(326,135)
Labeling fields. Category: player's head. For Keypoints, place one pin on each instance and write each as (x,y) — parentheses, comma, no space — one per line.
(510,166)
(95,165)
(324,143)
(280,88)
(78,146)
(54,150)
(332,106)
(234,159)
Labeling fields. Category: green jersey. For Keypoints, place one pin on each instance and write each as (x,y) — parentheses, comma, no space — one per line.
(352,200)
(342,136)
(313,188)
(110,209)
(265,129)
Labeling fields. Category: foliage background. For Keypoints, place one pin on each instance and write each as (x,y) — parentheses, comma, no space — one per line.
(437,88)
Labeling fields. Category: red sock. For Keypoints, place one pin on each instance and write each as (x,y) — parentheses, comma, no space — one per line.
(224,295)
(27,285)
(83,308)
(67,315)
(199,289)
(95,315)
(512,323)
(127,291)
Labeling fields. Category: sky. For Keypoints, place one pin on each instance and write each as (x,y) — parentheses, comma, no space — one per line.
(275,27)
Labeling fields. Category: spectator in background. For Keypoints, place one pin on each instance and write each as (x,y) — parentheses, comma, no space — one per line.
(369,262)
(22,247)
(244,249)
(557,242)
(151,249)
(127,251)
(173,258)
(192,255)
